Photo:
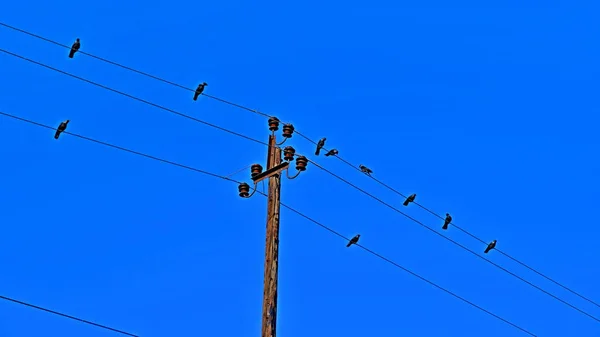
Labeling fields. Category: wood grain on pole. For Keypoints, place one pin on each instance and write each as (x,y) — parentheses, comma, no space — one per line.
(269,309)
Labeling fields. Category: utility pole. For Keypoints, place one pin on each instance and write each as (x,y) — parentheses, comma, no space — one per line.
(274,173)
(269,310)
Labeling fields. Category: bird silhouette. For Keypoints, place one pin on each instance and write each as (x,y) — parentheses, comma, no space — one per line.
(199,90)
(447,221)
(74,48)
(365,169)
(410,199)
(61,128)
(491,246)
(354,240)
(332,152)
(320,145)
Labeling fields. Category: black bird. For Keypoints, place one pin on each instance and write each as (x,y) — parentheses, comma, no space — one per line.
(74,48)
(365,169)
(199,90)
(410,199)
(447,221)
(320,145)
(491,246)
(332,152)
(353,240)
(62,127)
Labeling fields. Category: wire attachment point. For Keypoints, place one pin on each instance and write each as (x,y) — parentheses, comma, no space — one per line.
(288,131)
(255,170)
(301,163)
(244,190)
(289,153)
(273,124)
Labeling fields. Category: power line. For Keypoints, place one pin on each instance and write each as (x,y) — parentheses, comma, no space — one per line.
(458,244)
(317,165)
(238,171)
(409,271)
(118,147)
(137,98)
(131,69)
(66,316)
(470,234)
(284,205)
(310,140)
(454,225)
(134,97)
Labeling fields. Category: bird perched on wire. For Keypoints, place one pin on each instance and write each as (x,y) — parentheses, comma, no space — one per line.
(199,90)
(74,48)
(365,169)
(447,221)
(61,128)
(353,241)
(320,145)
(410,199)
(332,152)
(491,246)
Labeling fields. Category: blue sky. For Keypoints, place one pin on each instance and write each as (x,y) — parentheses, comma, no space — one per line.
(488,112)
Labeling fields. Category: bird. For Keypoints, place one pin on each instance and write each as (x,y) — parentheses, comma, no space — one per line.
(61,128)
(353,240)
(199,90)
(332,152)
(75,48)
(320,145)
(365,169)
(447,221)
(410,199)
(491,246)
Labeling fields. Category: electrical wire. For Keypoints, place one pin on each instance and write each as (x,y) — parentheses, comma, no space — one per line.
(409,271)
(282,204)
(119,148)
(311,141)
(458,244)
(238,171)
(460,228)
(132,69)
(318,166)
(66,316)
(134,97)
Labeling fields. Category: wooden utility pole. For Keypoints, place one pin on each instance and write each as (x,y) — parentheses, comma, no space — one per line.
(269,310)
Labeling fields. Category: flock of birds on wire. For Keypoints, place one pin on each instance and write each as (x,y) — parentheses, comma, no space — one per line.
(411,198)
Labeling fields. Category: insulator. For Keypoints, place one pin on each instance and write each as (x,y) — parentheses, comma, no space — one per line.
(288,130)
(301,163)
(244,190)
(255,170)
(288,153)
(273,124)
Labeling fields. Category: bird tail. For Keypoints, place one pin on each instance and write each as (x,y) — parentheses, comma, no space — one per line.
(445,226)
(405,203)
(349,244)
(71,54)
(56,135)
(487,250)
(195,97)
(327,154)
(318,151)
